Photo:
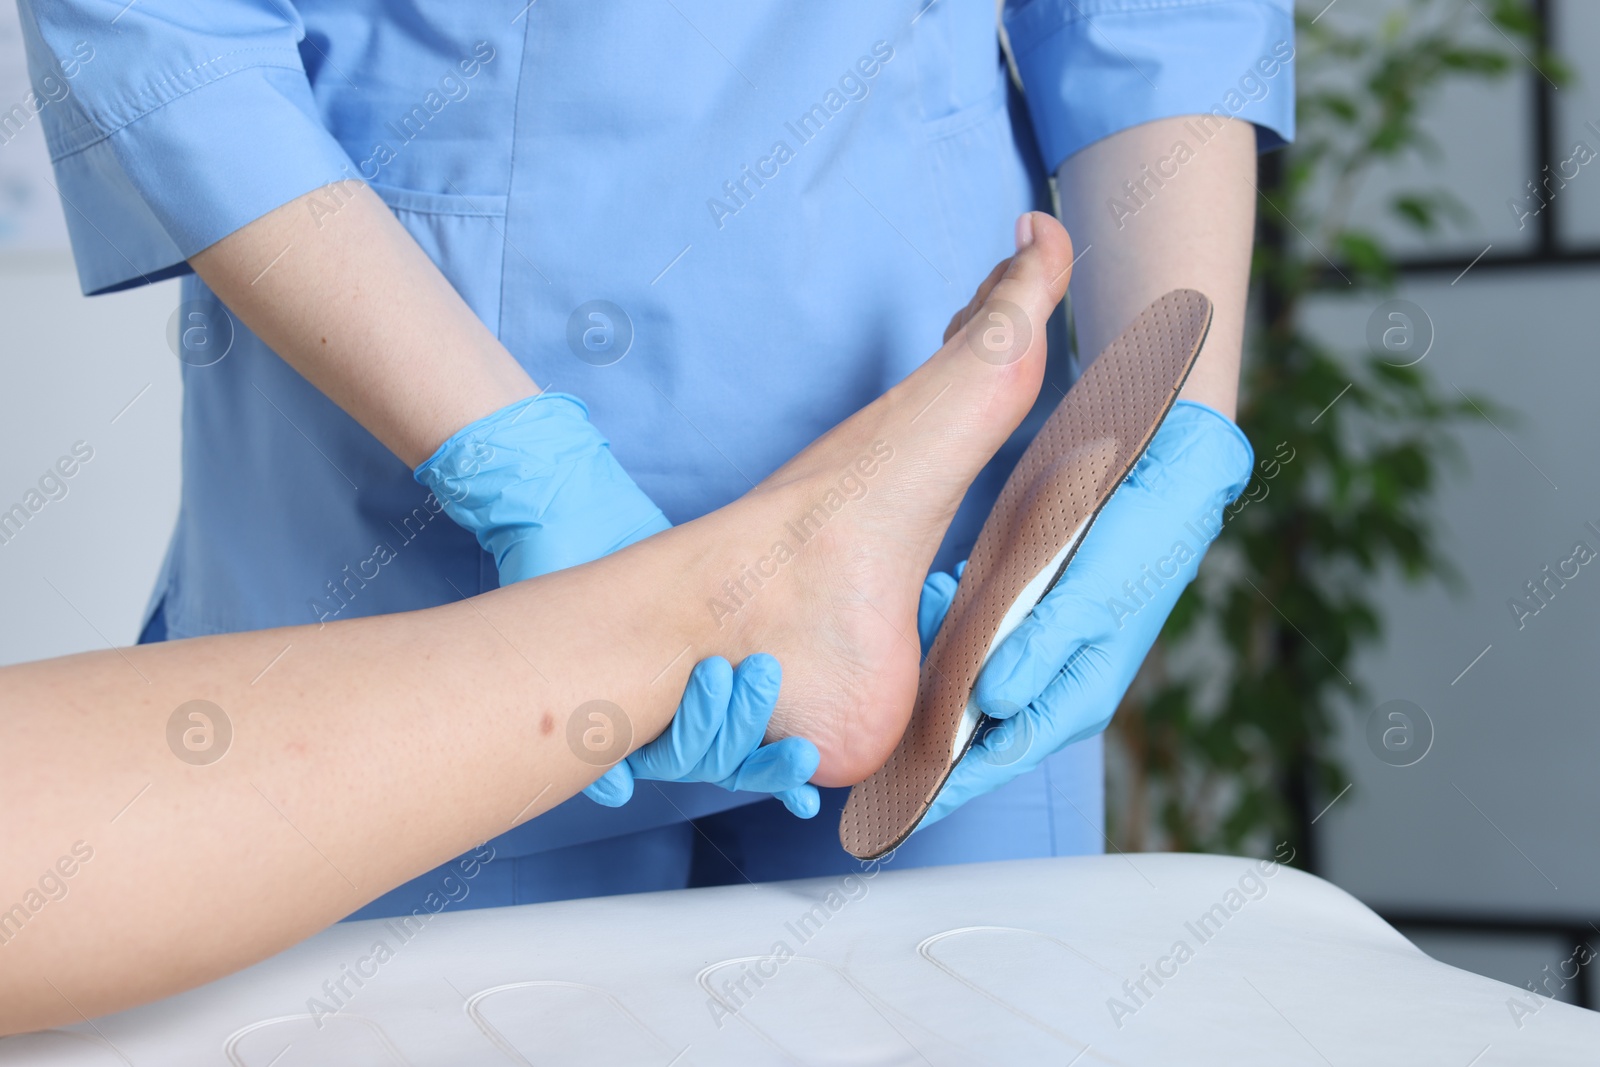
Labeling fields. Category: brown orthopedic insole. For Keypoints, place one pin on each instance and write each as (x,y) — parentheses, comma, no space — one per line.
(1086,448)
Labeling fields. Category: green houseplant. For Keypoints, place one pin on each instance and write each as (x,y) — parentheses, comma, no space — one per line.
(1219,745)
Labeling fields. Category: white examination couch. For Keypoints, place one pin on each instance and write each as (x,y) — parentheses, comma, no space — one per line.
(1067,961)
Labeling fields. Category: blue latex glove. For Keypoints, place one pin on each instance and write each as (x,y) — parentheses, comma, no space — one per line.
(716,737)
(538,486)
(536,482)
(1059,677)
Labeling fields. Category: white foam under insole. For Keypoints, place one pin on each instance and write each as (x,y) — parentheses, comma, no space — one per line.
(1026,601)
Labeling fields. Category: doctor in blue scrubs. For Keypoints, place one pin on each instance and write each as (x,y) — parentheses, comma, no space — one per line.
(473,292)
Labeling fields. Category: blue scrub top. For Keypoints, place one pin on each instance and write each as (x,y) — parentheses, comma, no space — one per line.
(780,206)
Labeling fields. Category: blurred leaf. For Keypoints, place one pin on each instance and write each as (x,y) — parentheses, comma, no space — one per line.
(1236,702)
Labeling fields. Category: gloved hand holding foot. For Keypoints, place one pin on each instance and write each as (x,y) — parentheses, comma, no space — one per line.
(537,484)
(1059,677)
(716,737)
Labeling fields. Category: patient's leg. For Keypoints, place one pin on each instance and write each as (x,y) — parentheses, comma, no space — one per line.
(369,751)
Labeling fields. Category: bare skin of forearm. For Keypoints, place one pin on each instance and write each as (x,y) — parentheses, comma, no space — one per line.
(1194,231)
(349,299)
(374,750)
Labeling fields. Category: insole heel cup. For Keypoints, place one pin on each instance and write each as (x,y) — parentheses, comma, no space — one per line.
(1084,451)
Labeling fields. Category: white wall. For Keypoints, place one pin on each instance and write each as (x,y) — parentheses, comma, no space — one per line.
(1498,817)
(78,573)
(80,570)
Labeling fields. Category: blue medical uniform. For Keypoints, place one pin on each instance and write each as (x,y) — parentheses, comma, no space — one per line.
(782,204)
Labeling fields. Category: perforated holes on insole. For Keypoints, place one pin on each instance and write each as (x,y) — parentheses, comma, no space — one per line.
(1121,398)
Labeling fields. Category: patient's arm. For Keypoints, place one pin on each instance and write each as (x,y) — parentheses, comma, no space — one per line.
(367,751)
(370,752)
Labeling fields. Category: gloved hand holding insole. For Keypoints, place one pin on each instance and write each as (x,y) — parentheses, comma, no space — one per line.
(1060,675)
(1017,596)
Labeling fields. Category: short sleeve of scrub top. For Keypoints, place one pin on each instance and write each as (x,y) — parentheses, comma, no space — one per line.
(1091,68)
(218,126)
(157,160)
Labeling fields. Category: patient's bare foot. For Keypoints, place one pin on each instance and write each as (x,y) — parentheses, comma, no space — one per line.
(836,543)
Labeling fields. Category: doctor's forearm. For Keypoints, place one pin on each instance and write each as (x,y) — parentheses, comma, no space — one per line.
(1147,216)
(336,286)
